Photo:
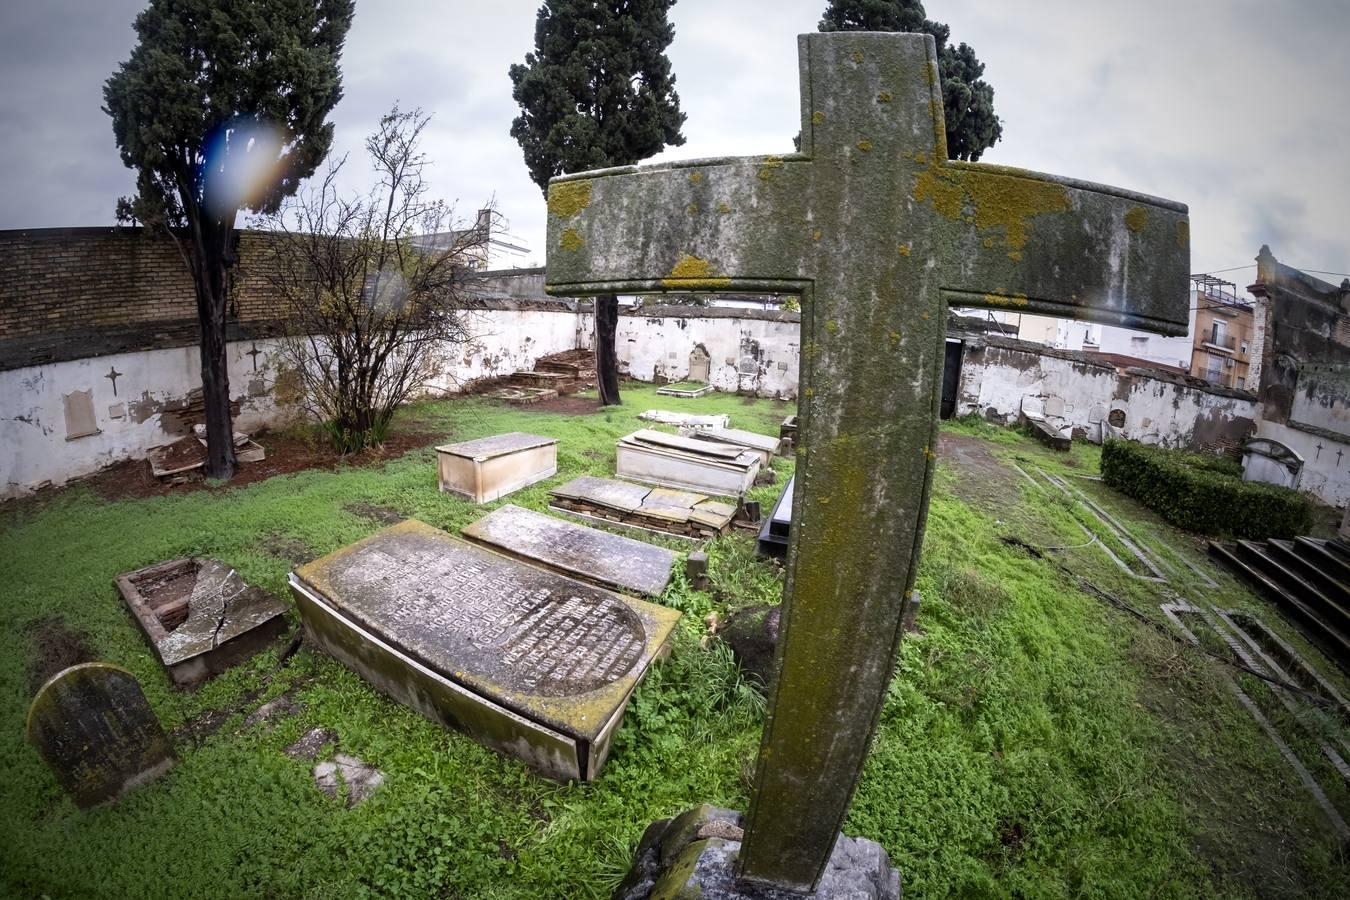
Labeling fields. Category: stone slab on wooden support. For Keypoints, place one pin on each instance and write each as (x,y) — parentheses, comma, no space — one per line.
(532,664)
(668,460)
(587,554)
(760,444)
(93,726)
(678,513)
(492,467)
(200,616)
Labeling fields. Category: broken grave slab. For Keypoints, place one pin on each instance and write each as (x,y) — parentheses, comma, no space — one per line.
(669,460)
(586,554)
(683,514)
(530,663)
(200,615)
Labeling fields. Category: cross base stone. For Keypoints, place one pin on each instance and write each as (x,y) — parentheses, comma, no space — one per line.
(694,855)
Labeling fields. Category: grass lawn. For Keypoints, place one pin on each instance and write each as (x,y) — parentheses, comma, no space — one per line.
(1035,741)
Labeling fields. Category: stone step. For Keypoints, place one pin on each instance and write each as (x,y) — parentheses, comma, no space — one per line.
(1261,556)
(538,379)
(1317,553)
(571,370)
(1310,571)
(1336,646)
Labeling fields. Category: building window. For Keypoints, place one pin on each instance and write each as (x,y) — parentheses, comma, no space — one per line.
(1228,364)
(1244,346)
(1241,382)
(1139,344)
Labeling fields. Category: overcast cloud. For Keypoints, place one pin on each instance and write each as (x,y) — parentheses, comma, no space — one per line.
(1240,108)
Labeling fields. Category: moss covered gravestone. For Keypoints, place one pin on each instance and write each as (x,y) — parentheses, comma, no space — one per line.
(877,232)
(93,727)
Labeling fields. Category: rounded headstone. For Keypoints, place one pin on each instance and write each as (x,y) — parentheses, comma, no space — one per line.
(93,726)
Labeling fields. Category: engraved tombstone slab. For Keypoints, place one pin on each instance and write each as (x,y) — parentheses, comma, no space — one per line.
(493,467)
(200,615)
(587,554)
(668,460)
(93,727)
(532,664)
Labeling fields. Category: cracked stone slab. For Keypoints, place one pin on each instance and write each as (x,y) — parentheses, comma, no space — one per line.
(360,778)
(311,743)
(200,615)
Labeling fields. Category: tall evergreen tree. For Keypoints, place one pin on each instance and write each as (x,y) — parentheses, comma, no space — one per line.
(972,126)
(221,107)
(597,91)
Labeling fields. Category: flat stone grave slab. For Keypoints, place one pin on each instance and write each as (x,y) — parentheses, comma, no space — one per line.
(679,513)
(761,444)
(680,462)
(92,725)
(690,420)
(492,467)
(685,390)
(200,616)
(587,554)
(777,527)
(530,663)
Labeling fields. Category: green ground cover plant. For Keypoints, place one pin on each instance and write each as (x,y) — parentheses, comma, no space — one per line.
(1034,742)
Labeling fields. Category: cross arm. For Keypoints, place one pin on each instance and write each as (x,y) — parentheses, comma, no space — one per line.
(1040,243)
(701,225)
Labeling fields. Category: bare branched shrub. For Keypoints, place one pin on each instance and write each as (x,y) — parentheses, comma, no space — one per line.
(373,286)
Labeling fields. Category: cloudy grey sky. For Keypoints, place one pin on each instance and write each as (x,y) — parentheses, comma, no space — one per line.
(1240,108)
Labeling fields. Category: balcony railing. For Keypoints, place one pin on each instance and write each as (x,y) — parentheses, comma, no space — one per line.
(1220,341)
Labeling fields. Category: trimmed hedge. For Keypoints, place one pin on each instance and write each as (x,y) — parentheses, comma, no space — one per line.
(1204,493)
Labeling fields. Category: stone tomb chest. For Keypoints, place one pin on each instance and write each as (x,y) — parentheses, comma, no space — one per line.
(200,616)
(493,467)
(528,662)
(679,462)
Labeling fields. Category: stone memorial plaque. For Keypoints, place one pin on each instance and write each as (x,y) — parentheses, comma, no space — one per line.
(200,616)
(583,553)
(93,727)
(679,513)
(492,467)
(530,663)
(672,461)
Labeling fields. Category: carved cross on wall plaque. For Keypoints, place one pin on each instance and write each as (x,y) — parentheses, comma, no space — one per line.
(878,233)
(112,376)
(255,353)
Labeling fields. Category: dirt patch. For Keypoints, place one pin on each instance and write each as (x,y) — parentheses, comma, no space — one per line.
(566,406)
(385,515)
(286,454)
(291,549)
(54,648)
(983,480)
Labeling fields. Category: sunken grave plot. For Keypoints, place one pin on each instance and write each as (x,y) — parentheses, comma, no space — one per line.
(200,616)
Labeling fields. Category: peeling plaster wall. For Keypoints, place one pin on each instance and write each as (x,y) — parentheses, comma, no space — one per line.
(152,385)
(1324,471)
(996,376)
(750,351)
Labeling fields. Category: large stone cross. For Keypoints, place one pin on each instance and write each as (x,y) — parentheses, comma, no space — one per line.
(878,233)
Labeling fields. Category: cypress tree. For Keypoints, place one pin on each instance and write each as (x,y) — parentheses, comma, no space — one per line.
(222,107)
(972,126)
(597,91)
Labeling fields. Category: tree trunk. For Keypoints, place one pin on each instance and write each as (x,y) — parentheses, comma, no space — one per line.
(606,359)
(210,281)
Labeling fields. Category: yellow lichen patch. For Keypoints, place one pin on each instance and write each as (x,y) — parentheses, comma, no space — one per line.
(695,177)
(695,274)
(1136,219)
(816,235)
(767,165)
(832,326)
(894,338)
(857,56)
(567,199)
(884,97)
(1015,255)
(810,392)
(903,249)
(988,243)
(996,199)
(691,208)
(1183,233)
(571,240)
(723,208)
(864,145)
(1006,299)
(817,118)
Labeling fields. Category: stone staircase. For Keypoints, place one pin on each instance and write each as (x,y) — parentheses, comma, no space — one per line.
(564,373)
(1308,579)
